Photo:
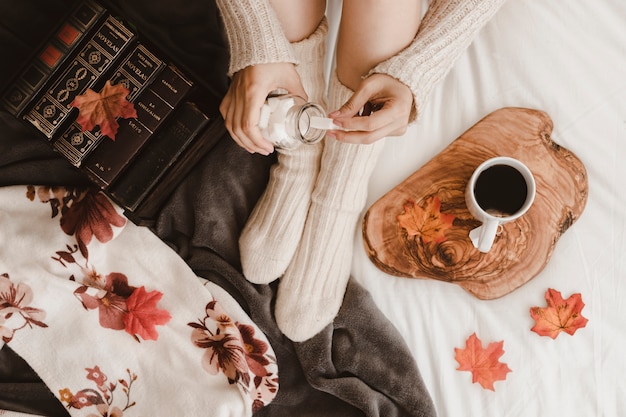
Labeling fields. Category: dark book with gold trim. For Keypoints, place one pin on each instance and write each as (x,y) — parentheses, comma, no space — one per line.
(136,73)
(159,155)
(66,38)
(109,159)
(171,174)
(108,44)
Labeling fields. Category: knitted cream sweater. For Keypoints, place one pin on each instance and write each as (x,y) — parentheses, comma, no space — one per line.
(449,26)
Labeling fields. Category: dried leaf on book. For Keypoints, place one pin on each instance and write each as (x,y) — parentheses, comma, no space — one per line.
(103,108)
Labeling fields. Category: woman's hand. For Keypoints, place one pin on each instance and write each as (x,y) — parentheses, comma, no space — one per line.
(391,102)
(241,107)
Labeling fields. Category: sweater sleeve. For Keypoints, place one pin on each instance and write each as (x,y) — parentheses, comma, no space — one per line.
(254,33)
(447,29)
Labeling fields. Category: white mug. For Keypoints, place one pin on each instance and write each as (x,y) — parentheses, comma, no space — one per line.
(500,190)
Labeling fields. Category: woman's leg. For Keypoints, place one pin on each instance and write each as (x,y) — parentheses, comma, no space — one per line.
(312,289)
(372,31)
(273,231)
(299,18)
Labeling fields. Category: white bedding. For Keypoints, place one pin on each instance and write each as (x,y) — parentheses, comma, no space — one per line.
(567,58)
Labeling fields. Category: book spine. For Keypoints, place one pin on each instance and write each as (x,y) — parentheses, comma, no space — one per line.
(51,57)
(158,155)
(149,207)
(136,72)
(108,44)
(105,163)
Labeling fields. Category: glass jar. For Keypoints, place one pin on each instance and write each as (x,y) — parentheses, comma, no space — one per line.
(286,121)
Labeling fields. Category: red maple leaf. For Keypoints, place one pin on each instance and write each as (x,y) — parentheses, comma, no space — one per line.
(482,363)
(425,221)
(143,315)
(104,108)
(559,316)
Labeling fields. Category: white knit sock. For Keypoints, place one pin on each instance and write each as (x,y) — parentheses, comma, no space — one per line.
(312,289)
(271,235)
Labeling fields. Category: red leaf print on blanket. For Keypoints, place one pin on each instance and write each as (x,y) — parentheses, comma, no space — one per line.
(143,315)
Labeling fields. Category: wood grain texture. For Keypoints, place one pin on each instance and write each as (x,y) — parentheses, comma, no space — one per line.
(522,248)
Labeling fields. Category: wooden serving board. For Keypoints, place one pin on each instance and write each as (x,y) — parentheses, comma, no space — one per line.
(522,248)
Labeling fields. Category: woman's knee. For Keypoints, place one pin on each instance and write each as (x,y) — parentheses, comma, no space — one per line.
(372,31)
(299,18)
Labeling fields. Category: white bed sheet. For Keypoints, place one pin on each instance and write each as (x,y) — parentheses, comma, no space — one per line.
(567,58)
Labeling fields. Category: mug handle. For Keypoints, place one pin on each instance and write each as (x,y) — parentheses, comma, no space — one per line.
(483,236)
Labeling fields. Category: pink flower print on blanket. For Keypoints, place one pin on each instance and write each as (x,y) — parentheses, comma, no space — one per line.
(15,310)
(232,349)
(85,213)
(104,400)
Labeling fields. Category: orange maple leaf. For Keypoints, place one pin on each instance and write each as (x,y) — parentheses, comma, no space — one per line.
(560,315)
(425,221)
(143,315)
(104,108)
(482,363)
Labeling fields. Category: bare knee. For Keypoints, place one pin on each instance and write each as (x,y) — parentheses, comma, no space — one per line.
(299,18)
(372,31)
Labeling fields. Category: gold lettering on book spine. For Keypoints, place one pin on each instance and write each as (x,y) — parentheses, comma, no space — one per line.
(136,71)
(149,110)
(170,86)
(108,42)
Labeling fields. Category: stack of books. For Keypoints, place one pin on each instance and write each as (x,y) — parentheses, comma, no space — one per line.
(151,152)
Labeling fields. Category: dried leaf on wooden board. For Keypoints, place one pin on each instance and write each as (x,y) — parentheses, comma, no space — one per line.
(425,221)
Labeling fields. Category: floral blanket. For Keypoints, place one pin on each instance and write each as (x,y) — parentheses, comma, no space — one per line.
(114,321)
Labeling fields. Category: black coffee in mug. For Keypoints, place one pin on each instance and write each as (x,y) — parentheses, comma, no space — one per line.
(501,190)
